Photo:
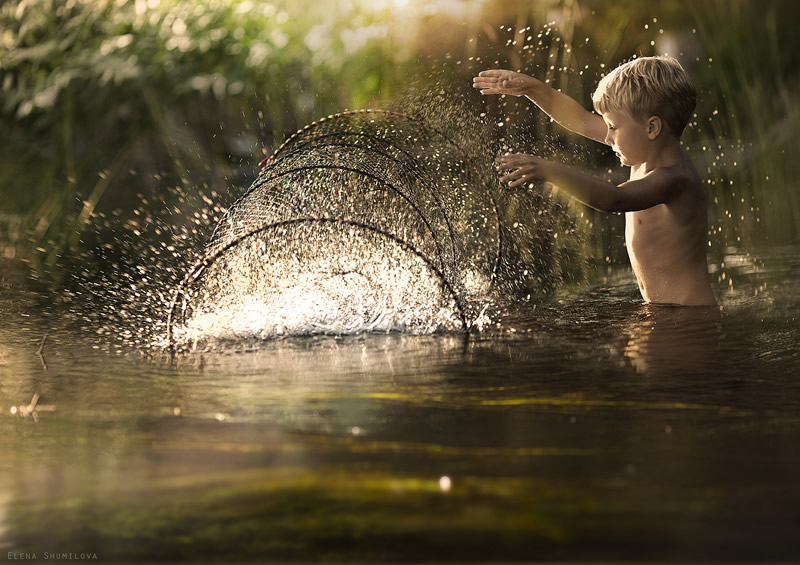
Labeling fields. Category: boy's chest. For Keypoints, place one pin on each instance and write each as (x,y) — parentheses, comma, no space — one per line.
(645,228)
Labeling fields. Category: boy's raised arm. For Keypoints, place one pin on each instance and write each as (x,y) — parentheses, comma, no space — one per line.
(563,109)
(656,187)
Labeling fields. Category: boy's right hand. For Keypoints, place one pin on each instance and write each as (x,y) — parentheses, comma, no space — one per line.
(499,81)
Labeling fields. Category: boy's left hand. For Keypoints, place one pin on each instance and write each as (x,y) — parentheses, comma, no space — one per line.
(522,168)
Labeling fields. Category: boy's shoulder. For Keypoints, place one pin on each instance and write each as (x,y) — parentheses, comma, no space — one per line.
(683,173)
(685,187)
(677,185)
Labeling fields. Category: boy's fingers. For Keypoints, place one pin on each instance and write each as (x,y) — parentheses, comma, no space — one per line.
(514,174)
(519,177)
(490,73)
(518,182)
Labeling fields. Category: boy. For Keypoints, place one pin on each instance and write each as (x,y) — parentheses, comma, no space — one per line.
(644,105)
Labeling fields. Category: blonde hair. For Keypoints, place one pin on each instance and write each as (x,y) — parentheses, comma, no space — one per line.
(649,86)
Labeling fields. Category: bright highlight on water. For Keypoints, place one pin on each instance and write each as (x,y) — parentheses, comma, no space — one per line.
(363,221)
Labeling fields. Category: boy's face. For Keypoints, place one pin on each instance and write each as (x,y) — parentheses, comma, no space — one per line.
(627,136)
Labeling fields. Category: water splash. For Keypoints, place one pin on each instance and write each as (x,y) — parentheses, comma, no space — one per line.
(313,276)
(415,186)
(363,221)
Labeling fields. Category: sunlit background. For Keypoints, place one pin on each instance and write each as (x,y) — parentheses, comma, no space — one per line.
(105,101)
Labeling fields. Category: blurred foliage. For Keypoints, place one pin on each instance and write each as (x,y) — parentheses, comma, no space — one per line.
(127,96)
(104,101)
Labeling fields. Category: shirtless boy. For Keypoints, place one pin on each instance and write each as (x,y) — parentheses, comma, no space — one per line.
(643,106)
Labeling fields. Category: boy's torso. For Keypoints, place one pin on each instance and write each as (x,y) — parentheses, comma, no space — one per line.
(667,244)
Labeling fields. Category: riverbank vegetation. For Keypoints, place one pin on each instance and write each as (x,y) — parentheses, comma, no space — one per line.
(111,104)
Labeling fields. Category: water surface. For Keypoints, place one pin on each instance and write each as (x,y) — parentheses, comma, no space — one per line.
(588,426)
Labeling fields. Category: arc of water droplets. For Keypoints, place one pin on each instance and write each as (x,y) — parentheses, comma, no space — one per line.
(360,221)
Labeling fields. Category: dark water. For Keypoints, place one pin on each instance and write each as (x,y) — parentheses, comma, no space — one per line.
(587,427)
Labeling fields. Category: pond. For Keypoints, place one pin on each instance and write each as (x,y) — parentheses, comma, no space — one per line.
(552,416)
(588,426)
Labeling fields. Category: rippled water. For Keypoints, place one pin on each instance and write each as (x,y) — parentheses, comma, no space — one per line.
(585,427)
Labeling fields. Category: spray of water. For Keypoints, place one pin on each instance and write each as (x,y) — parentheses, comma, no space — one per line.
(363,221)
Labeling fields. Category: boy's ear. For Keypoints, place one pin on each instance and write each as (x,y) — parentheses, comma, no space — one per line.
(654,126)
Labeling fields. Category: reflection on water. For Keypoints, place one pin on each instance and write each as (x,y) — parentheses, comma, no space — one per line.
(588,427)
(670,340)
